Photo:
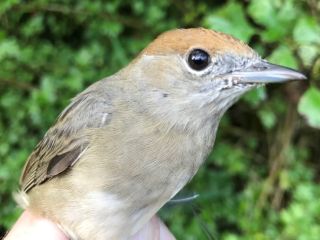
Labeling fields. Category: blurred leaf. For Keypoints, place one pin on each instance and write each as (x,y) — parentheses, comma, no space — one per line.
(309,106)
(308,53)
(235,161)
(267,118)
(33,26)
(256,96)
(230,19)
(48,89)
(9,48)
(307,35)
(277,16)
(5,5)
(263,12)
(283,56)
(307,31)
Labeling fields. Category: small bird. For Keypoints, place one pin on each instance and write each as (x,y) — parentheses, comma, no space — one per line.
(128,143)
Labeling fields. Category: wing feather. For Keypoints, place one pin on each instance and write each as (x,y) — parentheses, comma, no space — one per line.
(65,142)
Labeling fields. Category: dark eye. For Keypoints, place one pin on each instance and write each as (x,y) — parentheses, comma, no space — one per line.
(198,59)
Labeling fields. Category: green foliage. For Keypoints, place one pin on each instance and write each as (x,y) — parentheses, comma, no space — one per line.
(309,106)
(224,19)
(260,182)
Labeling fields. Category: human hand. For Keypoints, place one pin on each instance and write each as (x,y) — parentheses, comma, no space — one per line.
(34,227)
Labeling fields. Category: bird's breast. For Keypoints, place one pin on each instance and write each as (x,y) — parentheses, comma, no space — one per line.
(139,168)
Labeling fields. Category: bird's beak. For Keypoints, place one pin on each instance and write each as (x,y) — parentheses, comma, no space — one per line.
(265,72)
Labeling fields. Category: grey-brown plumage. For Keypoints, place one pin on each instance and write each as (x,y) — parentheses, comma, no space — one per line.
(64,142)
(129,143)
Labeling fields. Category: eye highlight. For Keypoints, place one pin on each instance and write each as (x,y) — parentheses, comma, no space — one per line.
(198,59)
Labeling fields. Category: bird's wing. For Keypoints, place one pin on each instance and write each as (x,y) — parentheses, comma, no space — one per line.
(64,143)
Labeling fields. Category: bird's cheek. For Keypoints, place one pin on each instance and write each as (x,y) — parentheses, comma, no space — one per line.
(212,85)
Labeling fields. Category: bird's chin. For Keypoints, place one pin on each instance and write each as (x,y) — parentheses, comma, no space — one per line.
(229,86)
(237,85)
(248,86)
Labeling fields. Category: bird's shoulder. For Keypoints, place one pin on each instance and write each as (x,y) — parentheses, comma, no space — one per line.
(65,142)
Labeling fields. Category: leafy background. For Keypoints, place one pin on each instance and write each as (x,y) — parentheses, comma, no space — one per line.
(261,180)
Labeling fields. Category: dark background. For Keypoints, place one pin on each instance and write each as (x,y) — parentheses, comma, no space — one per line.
(262,179)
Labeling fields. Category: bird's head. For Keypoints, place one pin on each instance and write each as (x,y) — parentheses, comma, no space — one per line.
(200,72)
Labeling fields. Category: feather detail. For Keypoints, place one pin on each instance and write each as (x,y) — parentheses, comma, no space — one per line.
(65,142)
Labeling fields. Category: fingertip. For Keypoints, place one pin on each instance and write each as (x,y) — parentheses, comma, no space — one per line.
(165,234)
(154,230)
(30,226)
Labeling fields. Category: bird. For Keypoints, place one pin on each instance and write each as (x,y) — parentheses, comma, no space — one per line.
(128,143)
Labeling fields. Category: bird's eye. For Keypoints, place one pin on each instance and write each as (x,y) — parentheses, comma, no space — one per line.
(198,59)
